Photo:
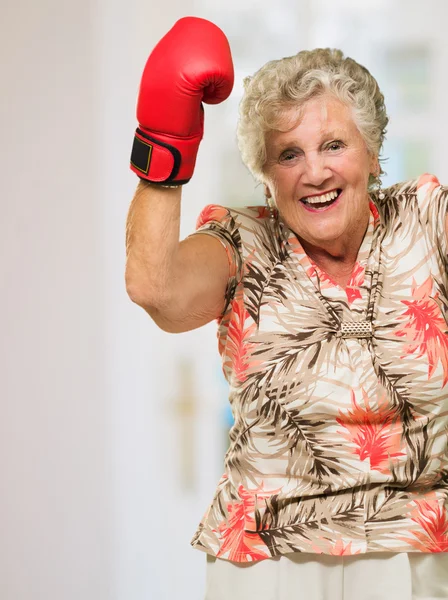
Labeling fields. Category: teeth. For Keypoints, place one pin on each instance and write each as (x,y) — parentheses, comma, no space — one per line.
(323,198)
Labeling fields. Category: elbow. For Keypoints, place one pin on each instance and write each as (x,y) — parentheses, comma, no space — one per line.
(158,308)
(142,292)
(134,292)
(133,289)
(153,302)
(164,306)
(145,298)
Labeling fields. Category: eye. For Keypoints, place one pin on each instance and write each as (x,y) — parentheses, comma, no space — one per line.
(336,145)
(288,156)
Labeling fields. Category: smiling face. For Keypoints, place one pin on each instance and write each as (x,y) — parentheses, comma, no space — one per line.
(318,174)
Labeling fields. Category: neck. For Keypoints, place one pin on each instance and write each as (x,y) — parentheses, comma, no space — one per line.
(341,253)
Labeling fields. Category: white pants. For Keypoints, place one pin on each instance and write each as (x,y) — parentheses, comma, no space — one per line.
(304,576)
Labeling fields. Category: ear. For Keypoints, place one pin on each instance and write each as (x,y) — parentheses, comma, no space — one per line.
(267,191)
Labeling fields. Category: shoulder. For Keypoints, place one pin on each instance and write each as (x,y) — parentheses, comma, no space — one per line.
(251,229)
(420,187)
(411,197)
(419,203)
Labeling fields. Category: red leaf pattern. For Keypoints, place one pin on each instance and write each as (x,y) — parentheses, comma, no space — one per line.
(432,519)
(375,434)
(424,328)
(240,542)
(237,348)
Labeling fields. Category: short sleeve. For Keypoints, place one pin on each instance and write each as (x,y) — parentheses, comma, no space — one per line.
(433,207)
(218,222)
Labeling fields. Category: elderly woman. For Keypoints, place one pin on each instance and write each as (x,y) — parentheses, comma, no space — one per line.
(332,310)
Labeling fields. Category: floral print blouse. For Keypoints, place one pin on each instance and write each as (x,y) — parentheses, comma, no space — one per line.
(339,396)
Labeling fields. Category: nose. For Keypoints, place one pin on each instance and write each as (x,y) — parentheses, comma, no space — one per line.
(316,170)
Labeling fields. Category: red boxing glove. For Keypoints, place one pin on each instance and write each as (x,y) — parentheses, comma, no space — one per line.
(191,63)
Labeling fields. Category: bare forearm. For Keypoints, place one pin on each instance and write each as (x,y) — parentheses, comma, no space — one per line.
(152,243)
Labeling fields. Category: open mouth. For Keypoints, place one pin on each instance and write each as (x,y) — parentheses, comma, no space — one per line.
(321,202)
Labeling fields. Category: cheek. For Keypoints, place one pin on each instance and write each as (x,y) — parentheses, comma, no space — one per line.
(354,166)
(285,183)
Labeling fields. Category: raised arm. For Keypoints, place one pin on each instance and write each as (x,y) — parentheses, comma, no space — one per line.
(180,284)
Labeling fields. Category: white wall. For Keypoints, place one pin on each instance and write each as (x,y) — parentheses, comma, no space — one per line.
(93,500)
(56,468)
(155,516)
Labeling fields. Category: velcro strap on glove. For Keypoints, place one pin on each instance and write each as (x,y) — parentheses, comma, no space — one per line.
(164,159)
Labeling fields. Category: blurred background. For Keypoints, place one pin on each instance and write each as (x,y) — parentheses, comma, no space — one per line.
(112,432)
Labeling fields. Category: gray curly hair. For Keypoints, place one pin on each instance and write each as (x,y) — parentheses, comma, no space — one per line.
(290,82)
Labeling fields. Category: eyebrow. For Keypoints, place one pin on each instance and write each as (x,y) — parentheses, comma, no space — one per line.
(326,135)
